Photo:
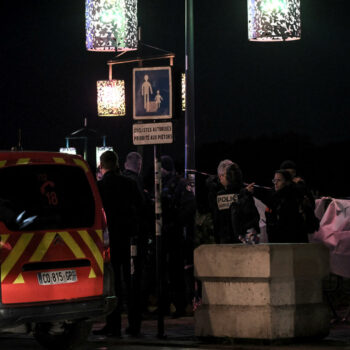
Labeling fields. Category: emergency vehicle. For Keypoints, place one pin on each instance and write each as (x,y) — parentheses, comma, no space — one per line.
(56,275)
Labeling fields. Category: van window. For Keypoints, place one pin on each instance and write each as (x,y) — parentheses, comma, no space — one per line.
(59,195)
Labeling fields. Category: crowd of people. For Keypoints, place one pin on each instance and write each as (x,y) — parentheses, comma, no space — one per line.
(130,215)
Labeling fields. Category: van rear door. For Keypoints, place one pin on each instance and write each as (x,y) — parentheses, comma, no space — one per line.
(59,256)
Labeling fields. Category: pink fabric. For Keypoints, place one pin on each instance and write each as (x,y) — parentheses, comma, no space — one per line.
(334,232)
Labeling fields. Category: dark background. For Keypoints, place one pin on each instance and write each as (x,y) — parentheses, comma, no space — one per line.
(256,103)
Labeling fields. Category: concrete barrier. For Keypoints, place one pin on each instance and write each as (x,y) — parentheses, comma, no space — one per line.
(266,291)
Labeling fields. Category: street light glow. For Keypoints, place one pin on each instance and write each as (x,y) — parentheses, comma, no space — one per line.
(274,20)
(183,91)
(274,5)
(110,15)
(110,98)
(111,25)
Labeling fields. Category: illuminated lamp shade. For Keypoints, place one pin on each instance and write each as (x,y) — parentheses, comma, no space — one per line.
(274,20)
(111,25)
(110,98)
(183,91)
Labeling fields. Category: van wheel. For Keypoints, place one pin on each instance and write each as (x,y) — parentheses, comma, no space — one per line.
(62,335)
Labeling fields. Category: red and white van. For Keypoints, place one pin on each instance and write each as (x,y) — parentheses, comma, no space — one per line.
(54,247)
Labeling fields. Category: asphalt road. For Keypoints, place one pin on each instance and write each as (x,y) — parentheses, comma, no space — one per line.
(179,336)
(20,342)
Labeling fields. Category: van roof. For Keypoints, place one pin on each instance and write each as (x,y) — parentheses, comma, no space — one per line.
(17,158)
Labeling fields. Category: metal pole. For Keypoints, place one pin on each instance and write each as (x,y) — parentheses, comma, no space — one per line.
(85,148)
(190,165)
(20,140)
(158,228)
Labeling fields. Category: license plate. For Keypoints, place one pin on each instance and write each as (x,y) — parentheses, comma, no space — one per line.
(57,277)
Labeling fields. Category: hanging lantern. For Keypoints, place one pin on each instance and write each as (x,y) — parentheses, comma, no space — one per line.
(183,91)
(110,98)
(274,20)
(111,25)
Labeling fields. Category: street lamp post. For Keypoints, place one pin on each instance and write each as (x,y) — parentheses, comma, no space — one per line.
(190,97)
(269,20)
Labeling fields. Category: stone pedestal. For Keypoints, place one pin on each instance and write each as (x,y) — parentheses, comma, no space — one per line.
(266,291)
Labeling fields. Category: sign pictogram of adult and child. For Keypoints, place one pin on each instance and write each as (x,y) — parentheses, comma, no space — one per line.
(152,93)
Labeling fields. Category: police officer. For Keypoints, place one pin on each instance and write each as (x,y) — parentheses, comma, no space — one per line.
(235,216)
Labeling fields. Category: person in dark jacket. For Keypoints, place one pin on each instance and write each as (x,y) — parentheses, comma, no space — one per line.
(284,221)
(307,205)
(235,216)
(121,198)
(178,214)
(145,256)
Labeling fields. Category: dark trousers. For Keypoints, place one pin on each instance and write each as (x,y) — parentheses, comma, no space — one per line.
(174,282)
(127,287)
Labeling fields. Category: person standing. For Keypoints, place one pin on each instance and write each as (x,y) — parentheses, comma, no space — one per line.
(307,200)
(178,214)
(235,216)
(132,170)
(214,186)
(284,221)
(120,198)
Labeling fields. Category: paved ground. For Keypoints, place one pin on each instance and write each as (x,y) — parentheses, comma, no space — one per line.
(179,333)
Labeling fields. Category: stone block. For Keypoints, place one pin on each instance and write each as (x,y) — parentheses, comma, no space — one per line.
(267,291)
(262,322)
(261,261)
(279,291)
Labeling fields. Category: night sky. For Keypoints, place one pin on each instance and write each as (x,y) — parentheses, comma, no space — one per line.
(256,103)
